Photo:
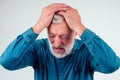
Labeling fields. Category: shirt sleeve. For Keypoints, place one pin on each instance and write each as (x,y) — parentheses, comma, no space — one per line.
(104,58)
(19,53)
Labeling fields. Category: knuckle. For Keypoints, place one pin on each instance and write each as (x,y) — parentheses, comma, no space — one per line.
(68,15)
(75,10)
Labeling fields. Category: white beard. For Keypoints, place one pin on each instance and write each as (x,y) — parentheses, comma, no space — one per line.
(68,49)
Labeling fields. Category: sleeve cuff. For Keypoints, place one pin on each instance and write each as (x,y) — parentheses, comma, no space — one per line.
(87,35)
(29,35)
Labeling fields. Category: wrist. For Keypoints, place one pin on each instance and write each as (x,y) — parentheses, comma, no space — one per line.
(80,29)
(37,28)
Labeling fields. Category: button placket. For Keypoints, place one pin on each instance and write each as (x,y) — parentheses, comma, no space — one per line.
(61,70)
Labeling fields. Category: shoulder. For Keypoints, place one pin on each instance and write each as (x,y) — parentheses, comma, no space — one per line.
(41,47)
(41,42)
(77,44)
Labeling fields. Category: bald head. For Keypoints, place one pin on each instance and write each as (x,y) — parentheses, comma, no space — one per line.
(57,19)
(58,24)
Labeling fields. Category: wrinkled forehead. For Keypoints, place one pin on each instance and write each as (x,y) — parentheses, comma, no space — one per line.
(58,21)
(59,25)
(59,28)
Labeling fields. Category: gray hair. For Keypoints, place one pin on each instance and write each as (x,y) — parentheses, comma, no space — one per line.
(57,18)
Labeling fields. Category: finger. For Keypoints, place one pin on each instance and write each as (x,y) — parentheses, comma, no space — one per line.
(71,10)
(63,13)
(57,9)
(56,5)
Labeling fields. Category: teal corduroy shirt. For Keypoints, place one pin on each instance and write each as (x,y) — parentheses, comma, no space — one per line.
(88,55)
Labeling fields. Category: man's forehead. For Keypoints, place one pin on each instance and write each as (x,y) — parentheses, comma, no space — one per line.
(59,27)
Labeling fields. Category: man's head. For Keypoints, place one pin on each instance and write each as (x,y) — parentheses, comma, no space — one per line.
(61,37)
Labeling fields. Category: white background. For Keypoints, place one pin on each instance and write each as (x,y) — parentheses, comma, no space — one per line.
(16,16)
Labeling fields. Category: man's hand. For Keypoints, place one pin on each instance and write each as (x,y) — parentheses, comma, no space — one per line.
(73,20)
(47,15)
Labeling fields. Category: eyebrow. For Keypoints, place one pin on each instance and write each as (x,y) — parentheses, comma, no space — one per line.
(60,35)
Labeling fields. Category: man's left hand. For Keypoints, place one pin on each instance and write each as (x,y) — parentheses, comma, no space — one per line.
(73,19)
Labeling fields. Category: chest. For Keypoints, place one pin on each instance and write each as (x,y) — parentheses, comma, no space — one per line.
(72,67)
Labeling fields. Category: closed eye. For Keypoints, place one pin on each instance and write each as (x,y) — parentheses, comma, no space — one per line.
(65,36)
(51,35)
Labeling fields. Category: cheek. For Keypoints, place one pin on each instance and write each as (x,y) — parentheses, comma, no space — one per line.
(67,41)
(63,41)
(71,40)
(51,40)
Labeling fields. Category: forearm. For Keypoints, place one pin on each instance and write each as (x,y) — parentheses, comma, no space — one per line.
(37,28)
(80,29)
(104,58)
(15,56)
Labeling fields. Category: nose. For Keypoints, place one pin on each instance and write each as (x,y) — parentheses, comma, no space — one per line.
(57,42)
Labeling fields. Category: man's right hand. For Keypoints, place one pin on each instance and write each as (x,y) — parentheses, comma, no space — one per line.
(47,15)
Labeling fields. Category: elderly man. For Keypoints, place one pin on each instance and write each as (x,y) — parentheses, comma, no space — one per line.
(61,56)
